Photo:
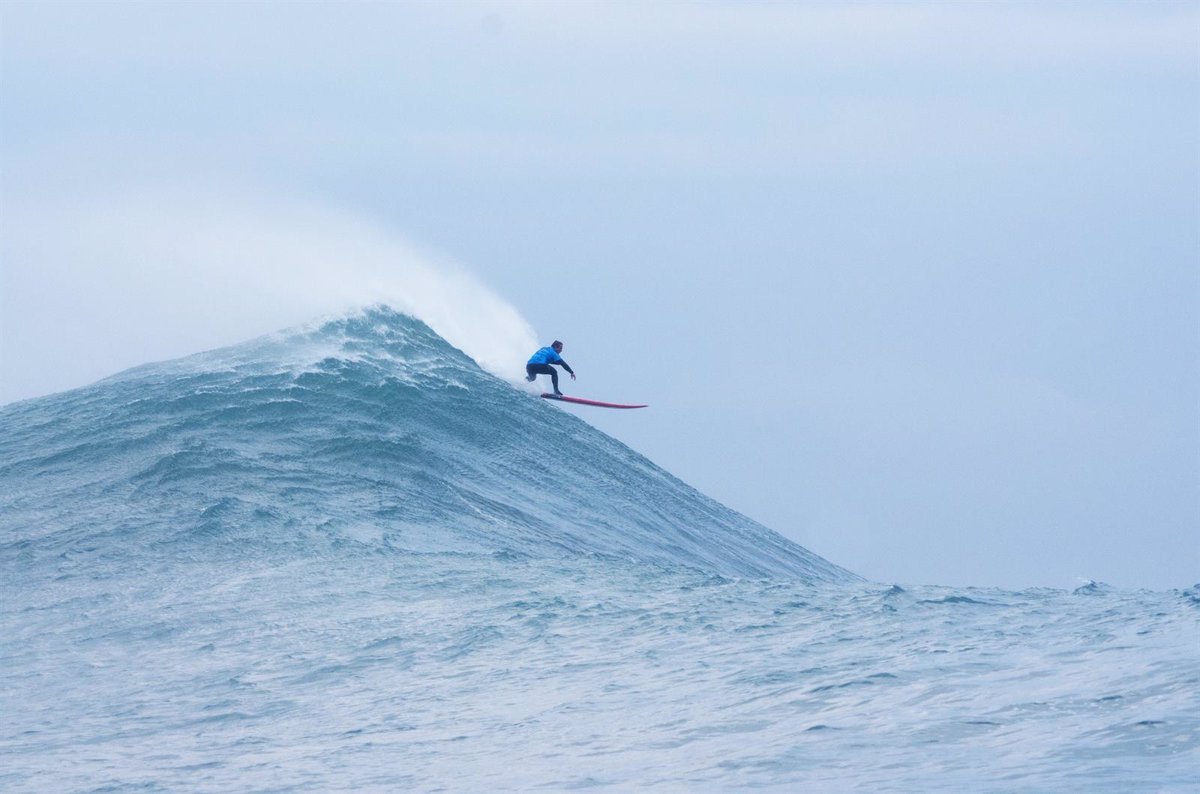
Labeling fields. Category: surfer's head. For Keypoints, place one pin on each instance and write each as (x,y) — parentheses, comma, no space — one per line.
(557,346)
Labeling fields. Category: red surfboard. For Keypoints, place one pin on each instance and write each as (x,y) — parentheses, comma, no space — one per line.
(581,401)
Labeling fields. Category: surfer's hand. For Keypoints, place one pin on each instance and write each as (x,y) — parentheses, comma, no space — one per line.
(572,376)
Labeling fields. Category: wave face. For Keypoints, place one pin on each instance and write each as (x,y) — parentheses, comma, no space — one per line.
(370,429)
(347,559)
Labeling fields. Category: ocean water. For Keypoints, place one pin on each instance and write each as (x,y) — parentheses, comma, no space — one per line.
(345,558)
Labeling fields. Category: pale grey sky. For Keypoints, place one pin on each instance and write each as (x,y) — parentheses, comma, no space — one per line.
(916,285)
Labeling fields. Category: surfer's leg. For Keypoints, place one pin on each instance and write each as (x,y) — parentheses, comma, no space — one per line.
(533,370)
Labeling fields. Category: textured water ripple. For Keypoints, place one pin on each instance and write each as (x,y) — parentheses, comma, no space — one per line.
(472,672)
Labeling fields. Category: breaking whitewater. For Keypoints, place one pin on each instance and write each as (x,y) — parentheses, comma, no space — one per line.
(347,558)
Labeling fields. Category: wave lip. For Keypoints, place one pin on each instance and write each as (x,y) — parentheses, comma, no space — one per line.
(368,430)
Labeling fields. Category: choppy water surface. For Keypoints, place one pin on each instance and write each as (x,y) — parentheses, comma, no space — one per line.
(354,670)
(348,559)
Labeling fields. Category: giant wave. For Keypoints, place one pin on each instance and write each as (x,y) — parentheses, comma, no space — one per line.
(370,428)
(345,558)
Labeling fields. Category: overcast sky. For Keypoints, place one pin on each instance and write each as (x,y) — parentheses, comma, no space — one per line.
(916,285)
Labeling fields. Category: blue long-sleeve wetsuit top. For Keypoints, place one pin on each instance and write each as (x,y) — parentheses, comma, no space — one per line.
(548,355)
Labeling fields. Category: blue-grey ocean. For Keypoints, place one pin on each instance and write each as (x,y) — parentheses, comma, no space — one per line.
(345,558)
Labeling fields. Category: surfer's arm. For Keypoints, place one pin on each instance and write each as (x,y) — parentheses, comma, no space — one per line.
(567,367)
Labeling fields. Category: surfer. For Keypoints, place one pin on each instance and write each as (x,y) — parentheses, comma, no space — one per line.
(539,364)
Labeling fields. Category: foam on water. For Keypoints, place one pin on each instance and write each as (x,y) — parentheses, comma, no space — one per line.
(346,558)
